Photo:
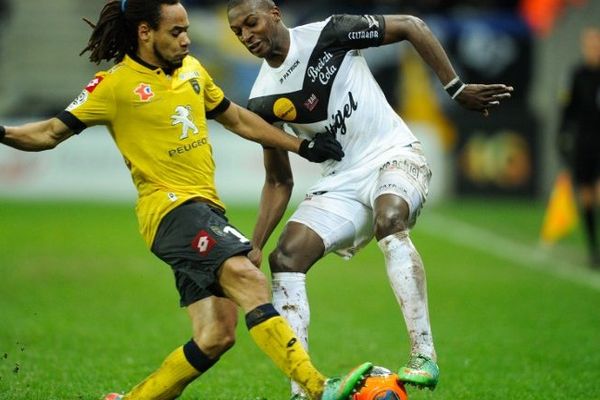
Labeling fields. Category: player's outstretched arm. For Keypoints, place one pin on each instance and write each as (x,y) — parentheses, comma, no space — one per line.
(35,136)
(250,126)
(274,199)
(476,97)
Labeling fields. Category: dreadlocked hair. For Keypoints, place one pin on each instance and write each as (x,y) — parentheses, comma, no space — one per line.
(115,34)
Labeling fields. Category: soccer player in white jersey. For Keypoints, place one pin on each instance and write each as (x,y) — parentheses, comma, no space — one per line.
(314,79)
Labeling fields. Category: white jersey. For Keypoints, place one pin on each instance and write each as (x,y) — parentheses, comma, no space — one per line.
(325,84)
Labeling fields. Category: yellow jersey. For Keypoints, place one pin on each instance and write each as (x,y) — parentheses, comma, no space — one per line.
(159,124)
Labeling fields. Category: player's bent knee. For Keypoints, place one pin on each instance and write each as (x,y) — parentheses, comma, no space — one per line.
(389,222)
(282,261)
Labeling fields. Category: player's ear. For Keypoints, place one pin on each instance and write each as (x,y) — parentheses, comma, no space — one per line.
(144,32)
(276,13)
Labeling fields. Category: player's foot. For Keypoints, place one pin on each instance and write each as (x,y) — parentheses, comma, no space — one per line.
(420,371)
(113,396)
(341,388)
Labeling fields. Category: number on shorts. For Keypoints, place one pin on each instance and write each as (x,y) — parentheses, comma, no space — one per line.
(236,233)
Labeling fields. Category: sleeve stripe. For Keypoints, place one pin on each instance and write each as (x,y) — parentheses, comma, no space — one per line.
(218,110)
(74,124)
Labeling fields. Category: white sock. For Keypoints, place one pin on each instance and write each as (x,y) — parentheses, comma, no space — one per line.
(291,301)
(407,277)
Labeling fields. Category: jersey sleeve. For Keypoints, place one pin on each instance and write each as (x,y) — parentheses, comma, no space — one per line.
(95,105)
(215,101)
(357,31)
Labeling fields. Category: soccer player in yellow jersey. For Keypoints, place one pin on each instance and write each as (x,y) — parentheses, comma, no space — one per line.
(155,102)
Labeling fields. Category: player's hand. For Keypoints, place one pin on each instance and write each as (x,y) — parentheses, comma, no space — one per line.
(255,256)
(482,98)
(323,147)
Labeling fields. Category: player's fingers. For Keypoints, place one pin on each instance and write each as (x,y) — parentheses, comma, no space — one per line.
(335,151)
(496,90)
(499,88)
(492,93)
(494,99)
(335,146)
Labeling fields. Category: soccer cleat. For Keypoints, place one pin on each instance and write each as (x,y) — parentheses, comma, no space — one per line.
(342,388)
(420,371)
(113,396)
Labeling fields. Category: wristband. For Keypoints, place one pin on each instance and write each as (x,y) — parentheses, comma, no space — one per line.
(2,133)
(454,87)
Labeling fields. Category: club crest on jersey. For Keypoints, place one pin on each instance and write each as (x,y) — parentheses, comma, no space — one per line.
(144,91)
(195,85)
(203,243)
(183,115)
(284,109)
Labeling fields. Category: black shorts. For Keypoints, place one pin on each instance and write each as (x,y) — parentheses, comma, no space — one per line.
(195,239)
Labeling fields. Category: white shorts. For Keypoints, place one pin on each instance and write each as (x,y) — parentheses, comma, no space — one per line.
(339,207)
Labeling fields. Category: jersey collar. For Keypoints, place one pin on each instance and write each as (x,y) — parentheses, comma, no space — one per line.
(140,65)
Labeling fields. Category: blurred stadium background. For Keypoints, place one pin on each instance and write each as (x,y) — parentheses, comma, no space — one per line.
(512,319)
(530,44)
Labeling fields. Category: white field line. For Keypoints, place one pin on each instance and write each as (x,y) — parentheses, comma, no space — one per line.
(533,257)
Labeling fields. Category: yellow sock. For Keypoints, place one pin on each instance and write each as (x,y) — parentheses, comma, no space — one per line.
(168,381)
(275,337)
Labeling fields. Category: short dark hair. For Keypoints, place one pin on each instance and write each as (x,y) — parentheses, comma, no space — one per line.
(115,33)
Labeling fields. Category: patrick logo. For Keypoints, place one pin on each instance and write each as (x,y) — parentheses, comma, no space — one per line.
(144,91)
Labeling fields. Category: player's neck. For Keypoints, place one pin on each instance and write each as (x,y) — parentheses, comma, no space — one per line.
(281,48)
(152,63)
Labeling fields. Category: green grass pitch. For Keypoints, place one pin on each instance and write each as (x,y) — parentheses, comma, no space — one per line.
(86,309)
